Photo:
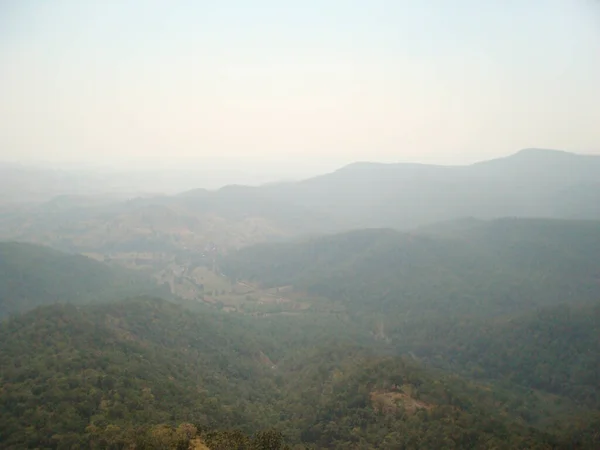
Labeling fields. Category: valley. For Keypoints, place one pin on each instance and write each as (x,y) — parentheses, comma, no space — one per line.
(235,318)
(202,284)
(266,225)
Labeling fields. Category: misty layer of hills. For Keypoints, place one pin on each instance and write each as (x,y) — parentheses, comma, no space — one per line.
(531,183)
(377,307)
(32,276)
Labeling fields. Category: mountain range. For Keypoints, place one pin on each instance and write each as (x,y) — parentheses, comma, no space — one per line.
(530,183)
(382,306)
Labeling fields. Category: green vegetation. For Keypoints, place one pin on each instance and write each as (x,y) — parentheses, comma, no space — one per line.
(514,301)
(83,376)
(32,275)
(555,350)
(183,437)
(64,368)
(494,268)
(470,335)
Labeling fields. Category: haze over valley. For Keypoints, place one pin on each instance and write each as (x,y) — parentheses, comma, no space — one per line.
(373,282)
(169,234)
(275,226)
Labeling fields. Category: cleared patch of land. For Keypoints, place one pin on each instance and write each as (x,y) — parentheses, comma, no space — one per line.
(202,284)
(401,399)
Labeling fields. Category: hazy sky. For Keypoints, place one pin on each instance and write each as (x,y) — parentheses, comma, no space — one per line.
(285,88)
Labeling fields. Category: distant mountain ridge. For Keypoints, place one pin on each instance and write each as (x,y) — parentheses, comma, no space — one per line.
(532,183)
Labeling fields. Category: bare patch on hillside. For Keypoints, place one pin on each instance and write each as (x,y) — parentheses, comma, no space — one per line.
(391,402)
(265,360)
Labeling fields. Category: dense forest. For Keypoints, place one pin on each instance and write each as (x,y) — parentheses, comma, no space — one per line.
(480,335)
(511,301)
(78,376)
(555,349)
(486,268)
(139,361)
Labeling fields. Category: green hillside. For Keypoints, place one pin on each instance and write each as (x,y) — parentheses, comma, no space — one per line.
(83,377)
(489,268)
(474,335)
(555,349)
(65,368)
(32,275)
(513,300)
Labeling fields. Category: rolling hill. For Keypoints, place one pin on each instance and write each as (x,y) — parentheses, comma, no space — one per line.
(530,183)
(143,361)
(32,275)
(554,349)
(482,268)
(471,334)
(104,376)
(513,300)
(475,329)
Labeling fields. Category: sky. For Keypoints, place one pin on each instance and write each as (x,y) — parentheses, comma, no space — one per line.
(273,89)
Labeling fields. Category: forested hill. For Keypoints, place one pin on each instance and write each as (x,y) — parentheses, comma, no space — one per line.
(555,349)
(138,362)
(33,275)
(511,300)
(108,376)
(481,268)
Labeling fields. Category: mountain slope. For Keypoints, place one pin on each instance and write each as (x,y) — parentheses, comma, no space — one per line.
(511,300)
(406,195)
(555,349)
(388,403)
(73,376)
(66,368)
(530,183)
(32,275)
(491,268)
